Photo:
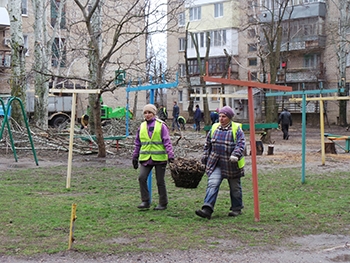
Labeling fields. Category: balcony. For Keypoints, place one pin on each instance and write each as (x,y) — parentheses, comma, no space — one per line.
(301,75)
(306,43)
(317,9)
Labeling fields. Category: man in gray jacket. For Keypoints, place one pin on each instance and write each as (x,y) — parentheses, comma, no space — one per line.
(285,119)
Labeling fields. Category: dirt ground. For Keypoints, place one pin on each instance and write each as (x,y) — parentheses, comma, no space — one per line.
(287,153)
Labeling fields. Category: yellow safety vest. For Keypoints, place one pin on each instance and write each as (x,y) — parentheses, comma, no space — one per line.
(152,147)
(235,126)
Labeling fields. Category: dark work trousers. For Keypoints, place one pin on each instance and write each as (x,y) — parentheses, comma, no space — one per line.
(285,128)
(160,174)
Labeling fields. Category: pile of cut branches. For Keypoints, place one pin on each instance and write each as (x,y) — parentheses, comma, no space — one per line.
(186,172)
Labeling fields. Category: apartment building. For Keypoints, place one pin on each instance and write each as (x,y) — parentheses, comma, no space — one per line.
(69,59)
(308,56)
(218,20)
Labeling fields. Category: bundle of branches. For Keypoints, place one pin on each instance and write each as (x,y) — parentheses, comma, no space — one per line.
(186,172)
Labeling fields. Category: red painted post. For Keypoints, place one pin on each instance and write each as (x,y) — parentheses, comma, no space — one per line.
(253,154)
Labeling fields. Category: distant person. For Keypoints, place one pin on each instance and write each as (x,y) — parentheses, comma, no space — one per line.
(182,121)
(153,149)
(285,119)
(162,113)
(176,114)
(214,116)
(198,118)
(84,121)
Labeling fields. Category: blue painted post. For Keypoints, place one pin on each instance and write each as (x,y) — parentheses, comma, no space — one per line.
(303,140)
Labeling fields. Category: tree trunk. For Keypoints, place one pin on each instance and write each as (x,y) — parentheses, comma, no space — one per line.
(96,76)
(17,82)
(190,90)
(342,55)
(40,66)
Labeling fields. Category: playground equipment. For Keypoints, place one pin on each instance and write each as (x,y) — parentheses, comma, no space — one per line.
(250,85)
(334,138)
(6,111)
(303,117)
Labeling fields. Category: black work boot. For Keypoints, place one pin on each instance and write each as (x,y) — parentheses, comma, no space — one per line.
(235,213)
(204,212)
(143,205)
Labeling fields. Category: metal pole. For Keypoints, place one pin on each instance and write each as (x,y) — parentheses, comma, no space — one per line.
(303,138)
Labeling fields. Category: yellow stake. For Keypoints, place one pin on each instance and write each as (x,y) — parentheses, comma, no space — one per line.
(71,229)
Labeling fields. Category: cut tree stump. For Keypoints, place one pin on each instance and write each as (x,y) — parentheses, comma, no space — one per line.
(270,149)
(330,147)
(259,148)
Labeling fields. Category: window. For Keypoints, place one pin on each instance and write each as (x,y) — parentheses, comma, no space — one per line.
(193,68)
(219,10)
(182,44)
(58,53)
(55,5)
(252,62)
(197,91)
(195,13)
(182,70)
(217,65)
(311,61)
(182,19)
(215,91)
(180,96)
(202,39)
(26,46)
(24,7)
(252,47)
(218,38)
(348,60)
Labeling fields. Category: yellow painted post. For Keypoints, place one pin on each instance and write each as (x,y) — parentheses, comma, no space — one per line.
(71,138)
(323,151)
(71,133)
(71,229)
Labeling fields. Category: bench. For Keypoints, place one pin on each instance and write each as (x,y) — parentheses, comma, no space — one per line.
(260,126)
(111,138)
(334,138)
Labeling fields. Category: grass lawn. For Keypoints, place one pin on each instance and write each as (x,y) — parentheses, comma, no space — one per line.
(36,209)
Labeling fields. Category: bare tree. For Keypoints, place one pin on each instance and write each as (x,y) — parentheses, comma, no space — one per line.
(342,50)
(42,57)
(18,51)
(270,45)
(109,37)
(202,62)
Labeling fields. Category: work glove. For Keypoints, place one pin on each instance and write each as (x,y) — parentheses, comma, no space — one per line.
(135,163)
(171,160)
(233,159)
(204,160)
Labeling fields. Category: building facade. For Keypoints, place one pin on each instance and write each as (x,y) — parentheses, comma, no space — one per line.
(308,53)
(69,59)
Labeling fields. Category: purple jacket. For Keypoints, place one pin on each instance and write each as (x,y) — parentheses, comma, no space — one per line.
(165,139)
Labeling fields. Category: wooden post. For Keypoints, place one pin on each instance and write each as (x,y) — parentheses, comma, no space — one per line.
(72,123)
